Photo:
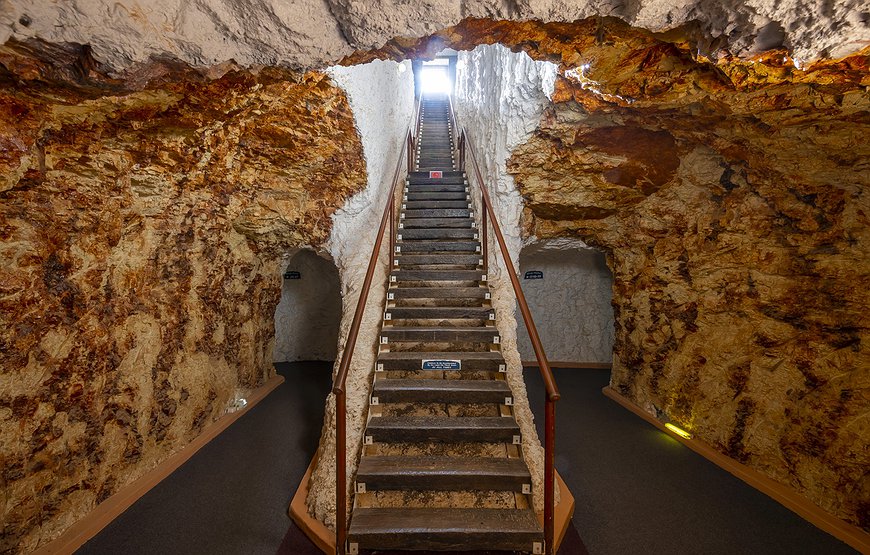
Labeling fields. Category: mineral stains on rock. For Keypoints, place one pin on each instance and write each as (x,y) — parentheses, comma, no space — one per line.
(142,221)
(143,214)
(731,197)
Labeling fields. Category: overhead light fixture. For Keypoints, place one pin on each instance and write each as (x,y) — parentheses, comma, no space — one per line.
(679,431)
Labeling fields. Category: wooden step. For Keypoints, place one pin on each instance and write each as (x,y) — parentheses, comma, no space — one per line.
(441,391)
(446,312)
(404,260)
(437,233)
(437,246)
(481,334)
(457,429)
(489,361)
(436,213)
(436,275)
(425,175)
(438,188)
(413,223)
(423,196)
(443,473)
(425,204)
(395,293)
(446,529)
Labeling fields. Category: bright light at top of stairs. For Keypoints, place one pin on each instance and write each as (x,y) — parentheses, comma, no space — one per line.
(434,79)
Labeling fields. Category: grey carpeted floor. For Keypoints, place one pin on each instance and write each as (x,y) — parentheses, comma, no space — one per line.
(637,490)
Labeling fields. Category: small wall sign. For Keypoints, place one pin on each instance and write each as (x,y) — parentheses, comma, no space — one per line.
(436,175)
(534,274)
(442,365)
(292,275)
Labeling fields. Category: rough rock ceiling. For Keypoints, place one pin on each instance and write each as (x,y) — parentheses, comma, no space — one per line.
(305,33)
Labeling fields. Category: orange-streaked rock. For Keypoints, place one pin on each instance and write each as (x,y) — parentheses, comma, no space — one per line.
(140,233)
(731,197)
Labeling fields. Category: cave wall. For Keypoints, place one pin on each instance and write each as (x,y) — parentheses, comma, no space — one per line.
(381,95)
(312,33)
(571,304)
(142,222)
(732,201)
(309,312)
(731,198)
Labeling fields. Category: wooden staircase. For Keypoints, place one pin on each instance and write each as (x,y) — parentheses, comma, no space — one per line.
(441,467)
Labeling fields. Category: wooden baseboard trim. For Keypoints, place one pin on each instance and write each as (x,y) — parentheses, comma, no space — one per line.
(790,499)
(90,525)
(324,538)
(570,364)
(317,532)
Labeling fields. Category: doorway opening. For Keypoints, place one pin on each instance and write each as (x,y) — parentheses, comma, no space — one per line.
(309,313)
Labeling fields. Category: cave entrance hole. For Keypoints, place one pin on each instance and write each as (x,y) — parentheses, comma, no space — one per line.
(569,289)
(309,313)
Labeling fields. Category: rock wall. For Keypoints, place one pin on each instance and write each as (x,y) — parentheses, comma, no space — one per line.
(142,221)
(571,304)
(309,312)
(382,97)
(309,33)
(732,200)
(499,97)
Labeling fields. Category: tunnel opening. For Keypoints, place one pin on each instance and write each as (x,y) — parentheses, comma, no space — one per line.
(569,289)
(308,315)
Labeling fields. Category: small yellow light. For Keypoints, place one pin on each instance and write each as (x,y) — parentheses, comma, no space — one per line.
(679,431)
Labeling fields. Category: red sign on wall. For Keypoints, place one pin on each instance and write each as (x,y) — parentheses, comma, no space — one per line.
(435,175)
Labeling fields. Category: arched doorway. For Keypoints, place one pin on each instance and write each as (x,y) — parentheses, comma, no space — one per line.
(309,312)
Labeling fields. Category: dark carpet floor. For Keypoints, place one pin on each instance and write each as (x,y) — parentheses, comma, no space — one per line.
(637,490)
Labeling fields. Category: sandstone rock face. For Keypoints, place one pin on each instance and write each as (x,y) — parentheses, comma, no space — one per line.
(732,200)
(308,33)
(141,228)
(146,207)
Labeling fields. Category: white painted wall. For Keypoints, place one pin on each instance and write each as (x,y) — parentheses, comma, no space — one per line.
(571,305)
(308,315)
(381,95)
(500,96)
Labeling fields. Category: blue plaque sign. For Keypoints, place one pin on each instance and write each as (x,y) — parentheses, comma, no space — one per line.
(442,365)
(292,275)
(534,274)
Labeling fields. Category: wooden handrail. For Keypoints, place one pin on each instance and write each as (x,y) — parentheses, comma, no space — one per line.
(544,365)
(339,387)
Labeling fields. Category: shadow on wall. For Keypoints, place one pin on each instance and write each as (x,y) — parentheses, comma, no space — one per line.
(569,289)
(309,313)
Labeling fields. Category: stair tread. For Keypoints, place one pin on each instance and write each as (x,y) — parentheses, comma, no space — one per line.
(439,292)
(423,312)
(436,275)
(443,423)
(437,213)
(496,386)
(379,471)
(446,355)
(469,329)
(445,529)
